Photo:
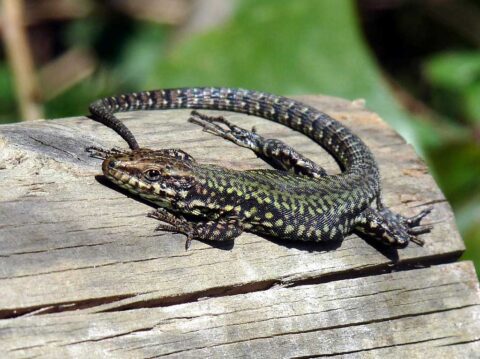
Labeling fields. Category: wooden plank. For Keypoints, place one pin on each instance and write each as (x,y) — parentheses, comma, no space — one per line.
(76,243)
(417,313)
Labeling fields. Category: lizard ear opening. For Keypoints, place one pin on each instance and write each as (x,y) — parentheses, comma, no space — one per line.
(179,182)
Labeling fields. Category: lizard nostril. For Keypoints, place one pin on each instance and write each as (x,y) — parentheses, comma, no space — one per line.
(111,164)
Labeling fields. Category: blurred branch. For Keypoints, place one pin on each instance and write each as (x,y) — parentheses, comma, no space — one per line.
(20,60)
(65,71)
(39,11)
(205,15)
(172,12)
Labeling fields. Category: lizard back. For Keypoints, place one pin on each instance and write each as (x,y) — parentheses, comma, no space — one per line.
(306,205)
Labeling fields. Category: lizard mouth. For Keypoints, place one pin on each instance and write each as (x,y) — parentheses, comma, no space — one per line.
(112,170)
(123,177)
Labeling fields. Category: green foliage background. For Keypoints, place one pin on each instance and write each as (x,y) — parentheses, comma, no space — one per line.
(289,47)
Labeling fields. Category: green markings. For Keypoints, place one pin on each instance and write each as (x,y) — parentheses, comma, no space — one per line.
(289,229)
(301,230)
(310,231)
(250,212)
(333,232)
(267,224)
(301,208)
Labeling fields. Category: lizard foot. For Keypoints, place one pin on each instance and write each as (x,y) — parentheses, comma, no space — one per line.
(233,133)
(210,230)
(173,223)
(392,228)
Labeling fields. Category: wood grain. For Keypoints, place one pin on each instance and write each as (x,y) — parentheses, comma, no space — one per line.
(432,312)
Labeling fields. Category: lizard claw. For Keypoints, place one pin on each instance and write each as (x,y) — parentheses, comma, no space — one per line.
(173,223)
(188,242)
(415,220)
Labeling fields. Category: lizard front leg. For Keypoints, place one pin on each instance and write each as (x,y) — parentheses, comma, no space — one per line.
(275,152)
(223,229)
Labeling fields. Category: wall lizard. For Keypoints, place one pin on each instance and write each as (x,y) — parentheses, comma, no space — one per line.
(297,200)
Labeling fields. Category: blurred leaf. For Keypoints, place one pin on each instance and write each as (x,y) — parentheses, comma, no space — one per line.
(455,85)
(457,167)
(453,70)
(83,32)
(469,224)
(472,102)
(8,112)
(126,66)
(140,54)
(75,101)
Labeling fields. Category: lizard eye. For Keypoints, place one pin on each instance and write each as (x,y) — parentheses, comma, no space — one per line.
(152,175)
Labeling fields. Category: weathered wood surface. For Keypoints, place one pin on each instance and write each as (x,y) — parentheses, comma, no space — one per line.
(432,312)
(69,242)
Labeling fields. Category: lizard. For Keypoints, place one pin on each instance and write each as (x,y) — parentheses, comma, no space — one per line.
(297,200)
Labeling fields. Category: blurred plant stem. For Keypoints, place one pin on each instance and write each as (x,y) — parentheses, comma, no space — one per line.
(20,60)
(68,69)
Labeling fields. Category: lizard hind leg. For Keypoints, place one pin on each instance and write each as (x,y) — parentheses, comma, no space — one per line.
(391,228)
(275,152)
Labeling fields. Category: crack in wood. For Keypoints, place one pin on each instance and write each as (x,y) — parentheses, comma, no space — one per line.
(110,336)
(8,255)
(333,327)
(46,144)
(219,291)
(60,307)
(325,355)
(461,342)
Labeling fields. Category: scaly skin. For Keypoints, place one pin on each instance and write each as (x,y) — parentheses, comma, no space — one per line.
(297,201)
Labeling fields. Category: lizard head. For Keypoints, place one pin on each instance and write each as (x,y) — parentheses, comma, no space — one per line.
(158,176)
